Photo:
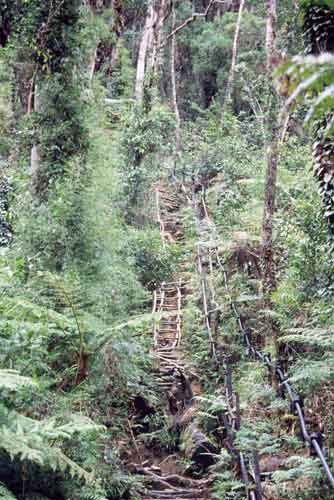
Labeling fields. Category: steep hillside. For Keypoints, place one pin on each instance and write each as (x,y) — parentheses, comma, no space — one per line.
(166,249)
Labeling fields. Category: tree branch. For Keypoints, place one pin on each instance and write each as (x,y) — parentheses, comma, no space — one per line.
(191,19)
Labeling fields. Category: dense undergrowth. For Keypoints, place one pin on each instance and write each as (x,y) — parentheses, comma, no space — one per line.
(300,302)
(80,253)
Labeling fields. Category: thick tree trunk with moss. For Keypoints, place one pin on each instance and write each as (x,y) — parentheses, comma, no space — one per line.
(106,55)
(163,13)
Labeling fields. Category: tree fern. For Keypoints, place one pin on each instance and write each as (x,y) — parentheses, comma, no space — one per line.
(69,294)
(56,310)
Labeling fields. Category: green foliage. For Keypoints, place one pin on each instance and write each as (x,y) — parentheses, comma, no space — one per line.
(41,442)
(87,253)
(59,125)
(121,84)
(211,52)
(160,436)
(154,262)
(305,470)
(125,364)
(50,326)
(51,57)
(5,226)
(207,46)
(312,3)
(5,494)
(311,375)
(311,81)
(145,139)
(232,155)
(6,114)
(225,484)
(145,133)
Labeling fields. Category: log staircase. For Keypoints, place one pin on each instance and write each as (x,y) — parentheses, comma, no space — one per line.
(169,298)
(168,302)
(167,335)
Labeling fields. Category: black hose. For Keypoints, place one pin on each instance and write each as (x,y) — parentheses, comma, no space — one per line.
(313,442)
(295,399)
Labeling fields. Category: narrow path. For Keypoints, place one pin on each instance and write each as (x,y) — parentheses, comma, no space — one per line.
(167,335)
(167,481)
(169,298)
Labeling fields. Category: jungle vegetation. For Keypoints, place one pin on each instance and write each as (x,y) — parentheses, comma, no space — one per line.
(225,103)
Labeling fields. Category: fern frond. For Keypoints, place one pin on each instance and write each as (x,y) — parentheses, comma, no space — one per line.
(39,442)
(79,424)
(10,379)
(313,374)
(5,494)
(67,291)
(137,323)
(315,337)
(298,467)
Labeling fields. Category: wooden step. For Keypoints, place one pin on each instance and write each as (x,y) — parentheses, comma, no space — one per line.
(167,338)
(173,330)
(176,494)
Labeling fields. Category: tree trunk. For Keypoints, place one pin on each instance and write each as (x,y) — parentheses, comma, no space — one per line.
(143,50)
(155,58)
(230,81)
(106,56)
(268,267)
(174,91)
(271,34)
(318,28)
(268,262)
(159,20)
(34,157)
(92,64)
